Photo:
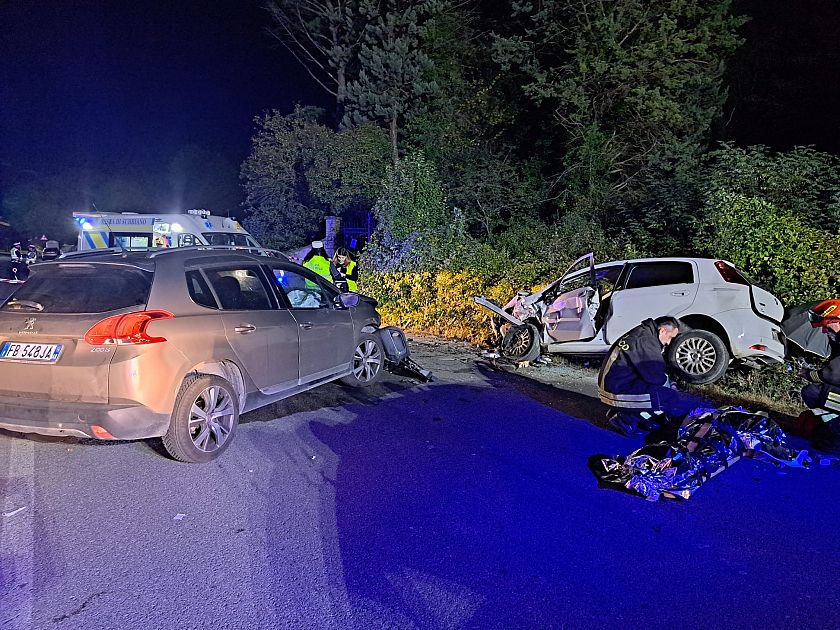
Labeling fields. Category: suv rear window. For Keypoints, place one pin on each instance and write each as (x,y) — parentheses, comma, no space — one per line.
(656,274)
(82,289)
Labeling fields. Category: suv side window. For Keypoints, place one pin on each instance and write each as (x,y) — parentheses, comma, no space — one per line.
(655,274)
(239,289)
(199,290)
(300,291)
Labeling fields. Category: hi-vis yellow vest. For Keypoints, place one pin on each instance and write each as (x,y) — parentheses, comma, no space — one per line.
(352,285)
(319,265)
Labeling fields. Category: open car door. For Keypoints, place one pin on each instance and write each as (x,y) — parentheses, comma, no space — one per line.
(571,303)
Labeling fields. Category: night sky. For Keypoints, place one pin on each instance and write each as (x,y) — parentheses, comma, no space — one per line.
(118,88)
(784,82)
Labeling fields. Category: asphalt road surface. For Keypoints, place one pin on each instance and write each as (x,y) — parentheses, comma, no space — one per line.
(463,503)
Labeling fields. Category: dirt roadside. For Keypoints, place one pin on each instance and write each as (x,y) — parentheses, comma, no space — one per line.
(570,386)
(555,371)
(565,387)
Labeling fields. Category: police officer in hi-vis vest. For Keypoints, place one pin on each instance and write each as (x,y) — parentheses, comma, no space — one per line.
(318,261)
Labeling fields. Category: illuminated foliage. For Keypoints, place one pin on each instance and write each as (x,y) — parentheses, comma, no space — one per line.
(299,171)
(412,199)
(796,260)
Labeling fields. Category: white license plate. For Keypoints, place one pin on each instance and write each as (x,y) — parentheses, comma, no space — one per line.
(38,352)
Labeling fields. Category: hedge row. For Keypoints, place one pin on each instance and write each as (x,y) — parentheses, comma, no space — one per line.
(440,303)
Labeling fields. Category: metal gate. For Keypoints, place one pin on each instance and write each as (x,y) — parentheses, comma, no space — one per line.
(355,230)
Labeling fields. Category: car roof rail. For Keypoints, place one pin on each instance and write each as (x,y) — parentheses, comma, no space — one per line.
(92,252)
(154,252)
(245,249)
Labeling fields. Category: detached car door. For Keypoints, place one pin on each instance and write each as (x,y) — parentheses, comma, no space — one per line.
(325,327)
(650,289)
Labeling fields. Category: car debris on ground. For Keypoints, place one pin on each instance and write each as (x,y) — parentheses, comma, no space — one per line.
(398,356)
(707,443)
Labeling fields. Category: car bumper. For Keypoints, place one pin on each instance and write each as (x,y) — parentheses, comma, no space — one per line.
(25,415)
(758,344)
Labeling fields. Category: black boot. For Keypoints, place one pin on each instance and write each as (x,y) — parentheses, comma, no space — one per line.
(827,437)
(625,423)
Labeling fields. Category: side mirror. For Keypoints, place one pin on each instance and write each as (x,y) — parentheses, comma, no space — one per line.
(349,300)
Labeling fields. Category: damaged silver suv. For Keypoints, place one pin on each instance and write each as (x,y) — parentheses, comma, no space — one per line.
(726,317)
(174,343)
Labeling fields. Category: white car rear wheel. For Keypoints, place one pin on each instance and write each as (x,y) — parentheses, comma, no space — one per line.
(699,356)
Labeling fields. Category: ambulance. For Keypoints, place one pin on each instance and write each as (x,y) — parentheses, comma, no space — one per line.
(129,230)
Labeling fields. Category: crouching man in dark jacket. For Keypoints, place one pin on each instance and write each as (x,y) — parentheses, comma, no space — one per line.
(633,380)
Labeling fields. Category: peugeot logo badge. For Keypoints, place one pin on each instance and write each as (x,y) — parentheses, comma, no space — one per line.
(29,324)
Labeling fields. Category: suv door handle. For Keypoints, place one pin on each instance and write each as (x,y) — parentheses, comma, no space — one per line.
(305,325)
(248,328)
(679,292)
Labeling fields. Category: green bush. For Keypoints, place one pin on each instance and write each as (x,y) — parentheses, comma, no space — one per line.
(803,181)
(795,260)
(412,200)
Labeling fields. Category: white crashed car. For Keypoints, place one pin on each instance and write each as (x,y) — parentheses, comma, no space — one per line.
(726,317)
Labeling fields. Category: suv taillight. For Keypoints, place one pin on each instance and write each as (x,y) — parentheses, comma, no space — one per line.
(125,329)
(729,273)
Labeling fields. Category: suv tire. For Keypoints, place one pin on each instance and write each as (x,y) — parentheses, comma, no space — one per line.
(368,361)
(521,343)
(204,420)
(698,357)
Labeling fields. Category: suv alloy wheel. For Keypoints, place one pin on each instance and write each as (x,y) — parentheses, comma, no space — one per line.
(204,419)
